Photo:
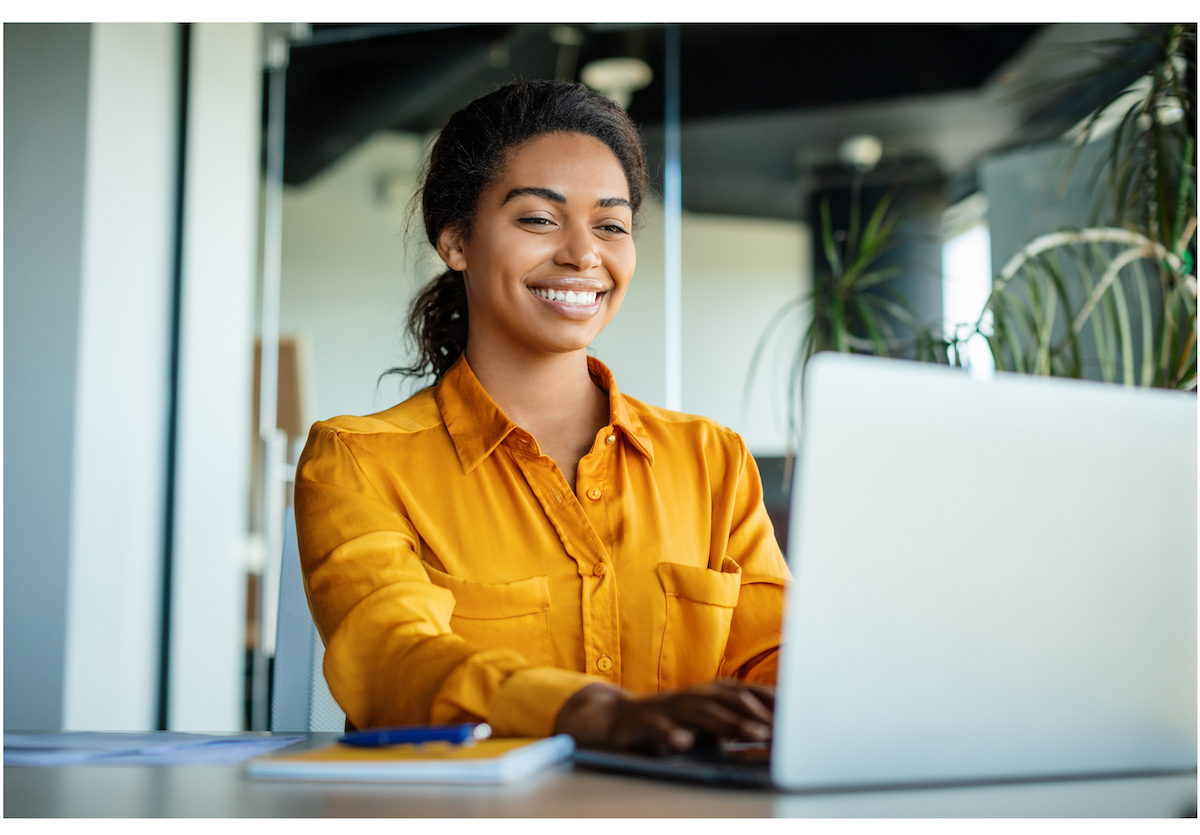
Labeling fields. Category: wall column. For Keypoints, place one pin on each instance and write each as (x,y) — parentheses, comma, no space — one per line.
(221,185)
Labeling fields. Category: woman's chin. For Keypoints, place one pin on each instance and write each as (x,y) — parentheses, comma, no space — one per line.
(564,340)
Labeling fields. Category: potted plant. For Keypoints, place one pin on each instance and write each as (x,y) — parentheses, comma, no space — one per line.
(1127,285)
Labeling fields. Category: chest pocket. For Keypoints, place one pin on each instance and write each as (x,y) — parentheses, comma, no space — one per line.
(700,604)
(512,615)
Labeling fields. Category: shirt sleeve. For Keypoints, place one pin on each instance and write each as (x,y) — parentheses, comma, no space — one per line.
(390,655)
(752,650)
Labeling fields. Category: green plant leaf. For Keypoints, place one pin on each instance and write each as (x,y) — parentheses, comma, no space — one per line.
(867,315)
(831,252)
(1143,288)
(1117,294)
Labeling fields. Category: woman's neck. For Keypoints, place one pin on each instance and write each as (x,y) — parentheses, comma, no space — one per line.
(551,396)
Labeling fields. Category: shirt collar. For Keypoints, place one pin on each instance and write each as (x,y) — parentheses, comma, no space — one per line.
(620,413)
(477,425)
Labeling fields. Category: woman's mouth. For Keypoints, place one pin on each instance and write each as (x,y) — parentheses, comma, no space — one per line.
(581,298)
(579,304)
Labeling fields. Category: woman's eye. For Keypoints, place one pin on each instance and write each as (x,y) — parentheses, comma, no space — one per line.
(534,221)
(614,228)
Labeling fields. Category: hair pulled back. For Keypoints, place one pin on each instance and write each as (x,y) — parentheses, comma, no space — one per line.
(470,155)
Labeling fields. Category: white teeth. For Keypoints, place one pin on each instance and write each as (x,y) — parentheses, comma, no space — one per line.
(568,296)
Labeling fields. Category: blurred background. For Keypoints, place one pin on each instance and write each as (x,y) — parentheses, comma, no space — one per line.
(177,197)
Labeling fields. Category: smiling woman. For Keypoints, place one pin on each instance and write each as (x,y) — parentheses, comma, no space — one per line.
(521,543)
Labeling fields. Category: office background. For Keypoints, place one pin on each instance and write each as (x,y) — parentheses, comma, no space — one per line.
(138,539)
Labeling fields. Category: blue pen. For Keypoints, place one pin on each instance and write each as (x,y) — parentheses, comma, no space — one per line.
(467,733)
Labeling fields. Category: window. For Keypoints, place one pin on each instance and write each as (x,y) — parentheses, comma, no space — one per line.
(967,282)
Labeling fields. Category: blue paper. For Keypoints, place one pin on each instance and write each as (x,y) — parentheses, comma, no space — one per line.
(155,748)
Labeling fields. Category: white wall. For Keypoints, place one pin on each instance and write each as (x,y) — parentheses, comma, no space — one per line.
(348,280)
(737,273)
(114,594)
(45,130)
(216,353)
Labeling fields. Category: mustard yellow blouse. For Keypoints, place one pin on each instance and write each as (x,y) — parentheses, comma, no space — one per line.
(454,576)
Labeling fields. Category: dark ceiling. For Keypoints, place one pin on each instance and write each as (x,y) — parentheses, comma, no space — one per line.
(749,94)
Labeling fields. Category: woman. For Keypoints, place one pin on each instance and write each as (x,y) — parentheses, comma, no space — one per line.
(521,543)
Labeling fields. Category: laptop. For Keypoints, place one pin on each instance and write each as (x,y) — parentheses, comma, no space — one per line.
(994,582)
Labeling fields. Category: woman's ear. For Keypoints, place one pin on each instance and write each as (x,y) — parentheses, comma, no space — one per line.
(450,249)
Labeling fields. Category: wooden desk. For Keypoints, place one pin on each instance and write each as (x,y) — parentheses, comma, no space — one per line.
(223,791)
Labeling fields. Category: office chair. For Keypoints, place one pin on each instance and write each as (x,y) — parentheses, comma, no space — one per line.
(300,698)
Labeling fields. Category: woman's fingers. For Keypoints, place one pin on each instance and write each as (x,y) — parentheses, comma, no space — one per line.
(765,694)
(748,702)
(714,718)
(644,724)
(607,716)
(753,705)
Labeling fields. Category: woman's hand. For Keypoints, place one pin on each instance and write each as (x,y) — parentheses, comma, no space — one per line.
(601,715)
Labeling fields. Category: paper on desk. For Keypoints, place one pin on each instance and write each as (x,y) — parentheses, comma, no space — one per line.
(159,748)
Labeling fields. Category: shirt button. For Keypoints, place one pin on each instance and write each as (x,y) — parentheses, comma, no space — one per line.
(594,493)
(604,664)
(610,440)
(599,568)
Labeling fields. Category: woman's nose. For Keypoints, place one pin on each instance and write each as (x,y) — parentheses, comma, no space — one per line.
(578,249)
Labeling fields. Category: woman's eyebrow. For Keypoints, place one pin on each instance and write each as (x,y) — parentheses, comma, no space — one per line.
(536,191)
(554,196)
(610,202)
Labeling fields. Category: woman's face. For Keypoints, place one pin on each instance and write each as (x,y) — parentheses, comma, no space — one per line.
(552,252)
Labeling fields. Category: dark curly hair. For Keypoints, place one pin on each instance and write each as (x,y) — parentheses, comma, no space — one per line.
(470,155)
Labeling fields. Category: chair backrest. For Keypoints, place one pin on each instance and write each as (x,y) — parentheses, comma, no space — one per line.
(300,698)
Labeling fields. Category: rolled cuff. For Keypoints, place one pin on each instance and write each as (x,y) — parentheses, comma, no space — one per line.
(528,702)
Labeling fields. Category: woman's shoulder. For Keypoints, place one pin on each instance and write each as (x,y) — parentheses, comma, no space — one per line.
(416,414)
(337,446)
(669,423)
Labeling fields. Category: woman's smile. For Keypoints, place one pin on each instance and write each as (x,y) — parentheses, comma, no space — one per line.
(570,297)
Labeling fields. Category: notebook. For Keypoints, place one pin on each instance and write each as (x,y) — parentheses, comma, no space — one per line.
(994,581)
(490,761)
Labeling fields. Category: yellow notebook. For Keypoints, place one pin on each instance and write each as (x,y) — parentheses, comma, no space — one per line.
(490,761)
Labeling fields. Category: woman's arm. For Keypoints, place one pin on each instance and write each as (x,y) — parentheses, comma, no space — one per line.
(751,652)
(391,657)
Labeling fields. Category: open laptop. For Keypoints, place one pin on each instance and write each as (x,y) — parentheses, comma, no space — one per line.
(994,581)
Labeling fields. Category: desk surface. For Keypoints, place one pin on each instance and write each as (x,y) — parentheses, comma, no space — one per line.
(223,791)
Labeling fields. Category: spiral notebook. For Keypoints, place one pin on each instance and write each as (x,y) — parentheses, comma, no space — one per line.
(489,762)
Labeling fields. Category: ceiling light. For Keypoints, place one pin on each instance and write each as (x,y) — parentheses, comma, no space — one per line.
(861,152)
(617,78)
(566,35)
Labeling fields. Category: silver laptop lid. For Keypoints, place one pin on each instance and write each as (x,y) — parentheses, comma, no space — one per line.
(993,580)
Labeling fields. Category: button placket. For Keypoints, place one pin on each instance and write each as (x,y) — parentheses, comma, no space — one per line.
(602,629)
(583,543)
